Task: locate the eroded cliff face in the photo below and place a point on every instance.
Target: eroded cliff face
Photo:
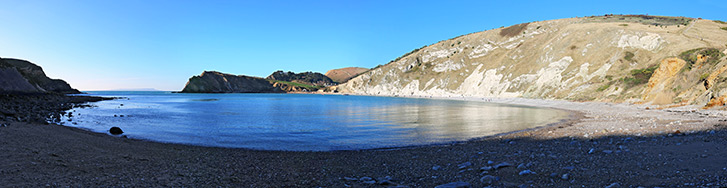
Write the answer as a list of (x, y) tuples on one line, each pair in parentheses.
[(639, 59), (20, 76)]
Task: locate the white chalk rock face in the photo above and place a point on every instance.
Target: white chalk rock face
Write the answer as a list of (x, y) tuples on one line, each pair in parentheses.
[(572, 59)]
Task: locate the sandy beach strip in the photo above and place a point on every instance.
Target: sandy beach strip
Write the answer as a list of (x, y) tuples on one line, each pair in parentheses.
[(608, 144)]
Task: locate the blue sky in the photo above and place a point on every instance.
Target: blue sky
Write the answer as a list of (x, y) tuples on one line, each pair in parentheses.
[(104, 44)]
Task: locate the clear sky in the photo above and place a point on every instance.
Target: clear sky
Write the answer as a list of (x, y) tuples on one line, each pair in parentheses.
[(122, 44)]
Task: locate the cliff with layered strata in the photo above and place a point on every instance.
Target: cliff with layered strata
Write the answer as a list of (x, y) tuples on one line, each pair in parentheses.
[(667, 61)]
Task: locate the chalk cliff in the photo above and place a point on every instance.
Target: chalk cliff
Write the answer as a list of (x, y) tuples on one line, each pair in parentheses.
[(659, 60)]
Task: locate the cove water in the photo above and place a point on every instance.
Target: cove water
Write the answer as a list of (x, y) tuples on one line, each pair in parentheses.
[(302, 122)]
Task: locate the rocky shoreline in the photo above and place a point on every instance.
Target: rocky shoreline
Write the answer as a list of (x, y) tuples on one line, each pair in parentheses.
[(610, 145), (41, 107)]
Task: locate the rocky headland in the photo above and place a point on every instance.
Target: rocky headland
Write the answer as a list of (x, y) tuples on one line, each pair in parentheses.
[(20, 76), (277, 82)]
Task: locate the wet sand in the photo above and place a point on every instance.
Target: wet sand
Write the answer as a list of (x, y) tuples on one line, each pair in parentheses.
[(604, 144)]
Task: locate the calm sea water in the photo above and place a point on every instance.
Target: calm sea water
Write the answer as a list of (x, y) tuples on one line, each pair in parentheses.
[(303, 121)]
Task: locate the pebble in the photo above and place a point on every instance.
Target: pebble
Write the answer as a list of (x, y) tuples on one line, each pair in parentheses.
[(502, 165), (565, 176), (490, 162), (436, 167), (614, 185), (464, 165), (350, 179), (607, 151), (459, 184), (489, 179), (486, 168), (591, 151), (526, 172), (366, 179)]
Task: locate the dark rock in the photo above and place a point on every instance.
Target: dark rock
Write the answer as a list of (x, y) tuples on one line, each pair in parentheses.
[(489, 179), (526, 172), (614, 185), (116, 131), (502, 165), (458, 184), (464, 165)]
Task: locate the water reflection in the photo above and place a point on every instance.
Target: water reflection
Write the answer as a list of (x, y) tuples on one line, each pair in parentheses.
[(306, 122)]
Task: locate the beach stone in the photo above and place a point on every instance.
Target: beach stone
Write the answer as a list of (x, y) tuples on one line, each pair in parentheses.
[(366, 179), (436, 167), (369, 182), (486, 168), (464, 165), (565, 176), (115, 130), (350, 179), (502, 165), (607, 151), (489, 179), (459, 184), (526, 172), (591, 151), (490, 162), (614, 185)]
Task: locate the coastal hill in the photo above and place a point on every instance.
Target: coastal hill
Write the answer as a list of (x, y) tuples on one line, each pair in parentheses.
[(342, 75), (308, 78), (278, 82), (658, 60), (20, 76)]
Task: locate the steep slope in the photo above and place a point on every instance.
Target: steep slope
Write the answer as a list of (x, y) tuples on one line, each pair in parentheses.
[(342, 75), (606, 58), (20, 76)]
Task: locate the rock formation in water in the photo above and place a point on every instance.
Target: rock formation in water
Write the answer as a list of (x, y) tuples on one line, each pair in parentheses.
[(342, 75), (308, 78), (668, 61), (20, 76)]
